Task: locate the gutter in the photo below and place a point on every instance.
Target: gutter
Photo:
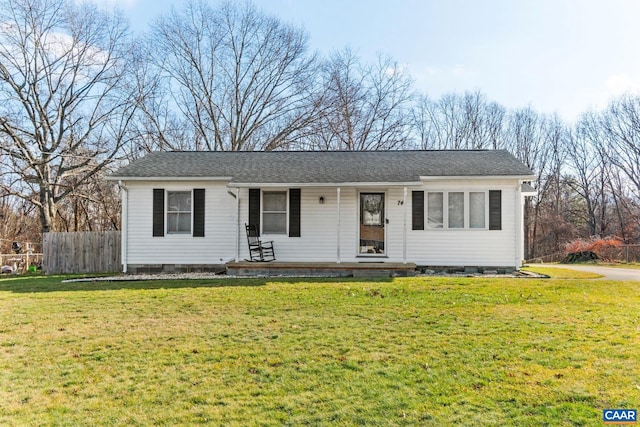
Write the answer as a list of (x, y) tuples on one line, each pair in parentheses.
[(380, 184), (476, 177), (169, 178)]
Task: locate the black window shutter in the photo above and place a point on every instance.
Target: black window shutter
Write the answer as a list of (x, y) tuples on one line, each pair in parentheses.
[(254, 207), (417, 210), (158, 212), (198, 212), (495, 210), (294, 212)]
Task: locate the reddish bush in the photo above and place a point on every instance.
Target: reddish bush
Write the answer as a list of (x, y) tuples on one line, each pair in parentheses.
[(599, 246)]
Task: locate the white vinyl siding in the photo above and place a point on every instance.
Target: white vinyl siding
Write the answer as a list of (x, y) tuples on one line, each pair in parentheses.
[(217, 247), (472, 245), (319, 240)]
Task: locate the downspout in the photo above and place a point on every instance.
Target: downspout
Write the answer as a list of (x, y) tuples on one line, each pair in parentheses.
[(236, 196), (124, 195), (338, 226), (237, 224), (404, 227), (519, 202)]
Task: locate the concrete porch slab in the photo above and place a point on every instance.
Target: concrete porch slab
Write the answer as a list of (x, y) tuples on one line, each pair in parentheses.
[(321, 269)]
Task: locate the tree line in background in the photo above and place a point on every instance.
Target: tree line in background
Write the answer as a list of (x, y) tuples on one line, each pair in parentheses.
[(80, 95)]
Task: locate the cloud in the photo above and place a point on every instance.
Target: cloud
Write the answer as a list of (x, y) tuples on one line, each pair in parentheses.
[(598, 97), (430, 70), (618, 84), (461, 71), (111, 3)]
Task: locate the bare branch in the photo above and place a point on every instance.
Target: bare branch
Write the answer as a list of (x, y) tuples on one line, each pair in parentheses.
[(65, 111)]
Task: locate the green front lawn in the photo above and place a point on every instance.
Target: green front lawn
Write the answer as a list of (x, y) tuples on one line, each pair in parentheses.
[(414, 351), (561, 273)]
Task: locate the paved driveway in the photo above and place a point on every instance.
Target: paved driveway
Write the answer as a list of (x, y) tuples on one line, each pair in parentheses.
[(609, 273)]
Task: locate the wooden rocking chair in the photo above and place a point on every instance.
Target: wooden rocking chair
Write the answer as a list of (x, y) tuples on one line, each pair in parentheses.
[(259, 250)]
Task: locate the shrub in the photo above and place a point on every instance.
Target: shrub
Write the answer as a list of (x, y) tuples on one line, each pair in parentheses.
[(600, 246)]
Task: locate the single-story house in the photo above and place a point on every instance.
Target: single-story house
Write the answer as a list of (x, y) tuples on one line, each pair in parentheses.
[(428, 207)]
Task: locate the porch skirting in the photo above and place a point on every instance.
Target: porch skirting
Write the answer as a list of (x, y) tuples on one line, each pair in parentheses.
[(321, 269), (175, 268)]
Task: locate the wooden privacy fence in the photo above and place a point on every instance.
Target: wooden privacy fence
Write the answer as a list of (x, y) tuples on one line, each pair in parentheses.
[(81, 252)]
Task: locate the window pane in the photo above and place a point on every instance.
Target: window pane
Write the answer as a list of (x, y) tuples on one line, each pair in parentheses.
[(275, 223), (178, 222), (184, 223), (371, 208), (476, 210), (179, 201), (275, 202), (178, 211), (456, 210), (172, 223), (434, 210)]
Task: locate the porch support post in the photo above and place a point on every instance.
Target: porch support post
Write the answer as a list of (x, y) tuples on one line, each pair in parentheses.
[(237, 224), (338, 226), (404, 227)]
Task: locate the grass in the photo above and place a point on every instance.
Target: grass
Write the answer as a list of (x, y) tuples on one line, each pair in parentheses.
[(561, 273), (631, 265), (412, 351)]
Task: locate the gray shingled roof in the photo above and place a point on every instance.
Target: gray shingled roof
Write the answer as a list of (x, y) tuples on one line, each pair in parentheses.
[(314, 167)]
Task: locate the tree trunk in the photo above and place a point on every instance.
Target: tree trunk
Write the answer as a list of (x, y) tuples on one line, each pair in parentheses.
[(47, 210)]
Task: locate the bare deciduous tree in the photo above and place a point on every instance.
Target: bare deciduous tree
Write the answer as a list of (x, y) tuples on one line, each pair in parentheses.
[(236, 78), (626, 207), (93, 205), (366, 107), (64, 112), (458, 122), (590, 171), (621, 122), (553, 213), (524, 137)]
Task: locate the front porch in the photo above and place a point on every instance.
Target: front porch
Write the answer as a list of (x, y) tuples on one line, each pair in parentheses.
[(321, 269)]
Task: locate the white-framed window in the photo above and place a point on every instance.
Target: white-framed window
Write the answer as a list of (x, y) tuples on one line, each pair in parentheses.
[(457, 209), (274, 212), (178, 212)]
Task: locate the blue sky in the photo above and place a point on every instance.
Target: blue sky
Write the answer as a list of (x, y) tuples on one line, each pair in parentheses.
[(564, 56)]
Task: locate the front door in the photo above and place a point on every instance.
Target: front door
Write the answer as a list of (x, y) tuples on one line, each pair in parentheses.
[(372, 220)]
